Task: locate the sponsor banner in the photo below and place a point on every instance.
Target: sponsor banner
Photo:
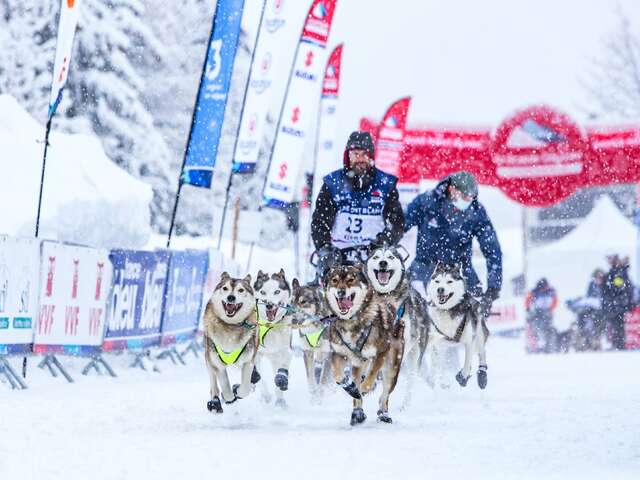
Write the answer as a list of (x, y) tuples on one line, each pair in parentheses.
[(268, 61), (206, 128), (300, 109), (390, 138), (507, 316), (328, 158), (183, 298), (632, 329), (134, 316), (69, 11), (73, 291), (19, 276)]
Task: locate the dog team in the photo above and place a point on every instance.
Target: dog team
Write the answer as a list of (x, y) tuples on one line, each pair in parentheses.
[(361, 325)]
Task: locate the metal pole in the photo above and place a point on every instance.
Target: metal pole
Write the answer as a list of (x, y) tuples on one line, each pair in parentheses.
[(193, 120), (235, 144), (44, 163)]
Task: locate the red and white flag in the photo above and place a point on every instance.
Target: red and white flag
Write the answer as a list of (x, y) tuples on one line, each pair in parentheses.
[(390, 137), (300, 109), (66, 31)]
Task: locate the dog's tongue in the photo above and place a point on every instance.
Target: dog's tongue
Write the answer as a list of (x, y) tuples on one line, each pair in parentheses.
[(383, 277), (271, 313), (345, 304)]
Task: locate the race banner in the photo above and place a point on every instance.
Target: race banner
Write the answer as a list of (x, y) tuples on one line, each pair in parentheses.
[(74, 286), (19, 276), (206, 127), (327, 156), (183, 298), (268, 60), (66, 31), (300, 106), (134, 316), (390, 138)]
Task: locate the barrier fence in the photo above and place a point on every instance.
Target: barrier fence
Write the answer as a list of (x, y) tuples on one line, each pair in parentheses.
[(63, 299)]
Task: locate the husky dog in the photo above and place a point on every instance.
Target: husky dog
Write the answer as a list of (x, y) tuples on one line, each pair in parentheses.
[(310, 306), (230, 338), (273, 294), (365, 335), (456, 318), (386, 272)]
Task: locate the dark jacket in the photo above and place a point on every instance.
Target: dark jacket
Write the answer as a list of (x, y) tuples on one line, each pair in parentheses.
[(617, 292), (326, 210), (445, 234)]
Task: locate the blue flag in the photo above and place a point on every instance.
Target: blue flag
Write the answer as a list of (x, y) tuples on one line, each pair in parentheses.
[(204, 137)]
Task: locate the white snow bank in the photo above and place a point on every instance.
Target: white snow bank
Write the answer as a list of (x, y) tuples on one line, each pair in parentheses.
[(86, 199)]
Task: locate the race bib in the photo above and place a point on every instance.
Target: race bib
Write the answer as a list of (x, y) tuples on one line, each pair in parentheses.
[(351, 229)]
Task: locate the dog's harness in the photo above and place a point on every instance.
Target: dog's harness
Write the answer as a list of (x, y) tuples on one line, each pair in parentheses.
[(228, 358), (360, 343), (313, 339), (458, 335)]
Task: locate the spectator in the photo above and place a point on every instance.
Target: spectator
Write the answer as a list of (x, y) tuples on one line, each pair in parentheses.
[(539, 304), (617, 299)]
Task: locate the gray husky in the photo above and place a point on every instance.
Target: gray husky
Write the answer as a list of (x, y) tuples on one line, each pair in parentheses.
[(456, 318)]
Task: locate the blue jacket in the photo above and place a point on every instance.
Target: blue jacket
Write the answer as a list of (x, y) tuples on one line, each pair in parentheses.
[(445, 234)]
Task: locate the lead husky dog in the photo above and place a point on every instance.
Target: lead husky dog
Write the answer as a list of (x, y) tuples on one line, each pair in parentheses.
[(230, 339), (363, 335), (386, 272), (310, 307), (273, 295), (456, 318)]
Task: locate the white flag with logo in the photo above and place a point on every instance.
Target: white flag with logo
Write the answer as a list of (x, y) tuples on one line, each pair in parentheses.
[(268, 61), (66, 31), (300, 106)]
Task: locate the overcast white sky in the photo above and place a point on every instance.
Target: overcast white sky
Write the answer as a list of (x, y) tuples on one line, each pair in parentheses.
[(467, 61)]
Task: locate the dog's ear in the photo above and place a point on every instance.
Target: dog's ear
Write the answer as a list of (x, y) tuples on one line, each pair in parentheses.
[(247, 279), (224, 278), (440, 268), (281, 273), (295, 287)]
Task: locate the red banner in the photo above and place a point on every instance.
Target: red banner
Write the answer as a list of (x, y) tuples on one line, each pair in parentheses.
[(318, 23), (331, 83), (537, 156), (390, 137)]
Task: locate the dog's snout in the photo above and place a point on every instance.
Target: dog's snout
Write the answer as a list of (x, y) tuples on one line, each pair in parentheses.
[(341, 293), (383, 264), (440, 291), (231, 298)]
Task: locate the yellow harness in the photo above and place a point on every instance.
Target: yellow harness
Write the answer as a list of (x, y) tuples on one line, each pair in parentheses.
[(313, 339), (229, 358), (263, 329)]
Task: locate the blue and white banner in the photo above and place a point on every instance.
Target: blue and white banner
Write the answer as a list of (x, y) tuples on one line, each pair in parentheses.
[(66, 31), (269, 59), (19, 271), (204, 137), (137, 296), (183, 298)]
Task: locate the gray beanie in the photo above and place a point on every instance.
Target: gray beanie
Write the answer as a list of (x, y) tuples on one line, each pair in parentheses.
[(465, 182)]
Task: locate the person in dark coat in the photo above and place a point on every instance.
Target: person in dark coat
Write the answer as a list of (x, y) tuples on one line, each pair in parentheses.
[(448, 218), (540, 303), (357, 205), (617, 299)]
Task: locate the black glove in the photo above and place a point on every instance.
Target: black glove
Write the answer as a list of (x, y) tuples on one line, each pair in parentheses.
[(488, 298)]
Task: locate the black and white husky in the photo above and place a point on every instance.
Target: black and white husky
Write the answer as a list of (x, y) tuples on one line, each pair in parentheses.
[(456, 318), (386, 271), (273, 294)]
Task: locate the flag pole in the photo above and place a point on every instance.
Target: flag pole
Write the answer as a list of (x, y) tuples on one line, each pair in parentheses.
[(193, 120), (235, 144), (44, 163)]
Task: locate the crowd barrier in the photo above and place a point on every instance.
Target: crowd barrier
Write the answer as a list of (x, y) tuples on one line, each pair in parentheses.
[(63, 299)]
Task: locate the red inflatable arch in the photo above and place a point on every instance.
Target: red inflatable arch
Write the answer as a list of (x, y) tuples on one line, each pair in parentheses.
[(538, 156)]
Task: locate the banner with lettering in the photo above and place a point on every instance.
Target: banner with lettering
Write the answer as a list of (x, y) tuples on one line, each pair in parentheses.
[(390, 138), (183, 298), (136, 301), (69, 12), (73, 290), (19, 276), (300, 109)]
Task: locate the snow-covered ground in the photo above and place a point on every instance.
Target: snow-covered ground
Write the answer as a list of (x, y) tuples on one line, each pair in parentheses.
[(548, 416)]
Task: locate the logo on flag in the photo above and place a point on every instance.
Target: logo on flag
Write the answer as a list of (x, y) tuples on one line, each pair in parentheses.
[(214, 67), (320, 11), (392, 122), (274, 24)]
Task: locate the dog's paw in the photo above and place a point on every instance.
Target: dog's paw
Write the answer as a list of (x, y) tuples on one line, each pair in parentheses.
[(255, 376), (234, 389), (357, 416), (214, 405), (282, 379), (384, 417), (482, 377), (350, 387), (281, 403), (461, 379)]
